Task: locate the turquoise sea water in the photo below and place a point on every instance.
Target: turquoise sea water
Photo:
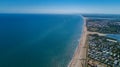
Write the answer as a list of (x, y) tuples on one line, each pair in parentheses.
[(38, 40)]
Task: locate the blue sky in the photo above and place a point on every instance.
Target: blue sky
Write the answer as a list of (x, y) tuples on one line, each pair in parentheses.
[(60, 6)]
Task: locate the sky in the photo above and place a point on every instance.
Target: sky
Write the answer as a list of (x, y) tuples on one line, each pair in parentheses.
[(60, 6)]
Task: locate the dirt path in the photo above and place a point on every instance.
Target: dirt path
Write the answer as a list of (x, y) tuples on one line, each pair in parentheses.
[(100, 34)]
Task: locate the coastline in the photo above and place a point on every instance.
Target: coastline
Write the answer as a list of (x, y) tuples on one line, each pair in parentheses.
[(79, 57)]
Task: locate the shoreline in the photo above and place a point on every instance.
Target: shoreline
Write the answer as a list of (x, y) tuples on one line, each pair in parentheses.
[(79, 57)]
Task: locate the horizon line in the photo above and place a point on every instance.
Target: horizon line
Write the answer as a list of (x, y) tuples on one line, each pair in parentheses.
[(54, 13)]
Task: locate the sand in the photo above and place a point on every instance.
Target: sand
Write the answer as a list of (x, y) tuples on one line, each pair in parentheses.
[(79, 58)]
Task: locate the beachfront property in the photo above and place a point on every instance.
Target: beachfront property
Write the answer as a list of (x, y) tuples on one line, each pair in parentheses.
[(102, 51)]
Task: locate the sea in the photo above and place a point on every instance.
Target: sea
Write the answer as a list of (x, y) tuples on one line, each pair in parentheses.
[(38, 40)]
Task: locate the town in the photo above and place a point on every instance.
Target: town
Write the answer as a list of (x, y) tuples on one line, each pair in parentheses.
[(104, 50), (111, 26)]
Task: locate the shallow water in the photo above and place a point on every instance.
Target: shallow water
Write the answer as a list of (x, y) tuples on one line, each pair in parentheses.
[(115, 36)]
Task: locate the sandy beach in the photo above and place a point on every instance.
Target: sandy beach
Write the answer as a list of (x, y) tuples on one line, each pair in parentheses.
[(79, 58)]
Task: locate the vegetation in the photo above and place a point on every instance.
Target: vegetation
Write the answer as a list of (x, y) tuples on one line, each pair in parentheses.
[(110, 26)]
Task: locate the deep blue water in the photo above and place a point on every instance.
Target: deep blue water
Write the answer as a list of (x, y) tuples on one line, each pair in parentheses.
[(38, 40)]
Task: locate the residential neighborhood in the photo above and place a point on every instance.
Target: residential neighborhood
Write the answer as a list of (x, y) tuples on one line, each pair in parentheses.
[(104, 50), (102, 25)]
